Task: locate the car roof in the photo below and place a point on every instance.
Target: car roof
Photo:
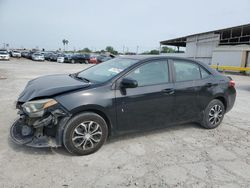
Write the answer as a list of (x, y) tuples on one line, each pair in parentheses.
[(148, 57), (154, 57)]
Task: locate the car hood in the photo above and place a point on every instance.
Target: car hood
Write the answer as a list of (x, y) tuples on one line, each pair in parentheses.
[(47, 86)]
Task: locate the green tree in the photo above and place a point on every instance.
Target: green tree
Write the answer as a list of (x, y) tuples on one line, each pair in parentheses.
[(111, 50), (151, 52), (86, 50), (154, 52), (65, 42), (166, 49)]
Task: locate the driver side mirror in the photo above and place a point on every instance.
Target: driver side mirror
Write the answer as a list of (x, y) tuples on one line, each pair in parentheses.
[(129, 83)]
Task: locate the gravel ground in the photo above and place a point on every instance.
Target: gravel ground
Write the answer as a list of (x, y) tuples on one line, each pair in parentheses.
[(180, 156)]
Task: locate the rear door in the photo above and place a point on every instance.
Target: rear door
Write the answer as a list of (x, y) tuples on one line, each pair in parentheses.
[(186, 74), (150, 105), (208, 86)]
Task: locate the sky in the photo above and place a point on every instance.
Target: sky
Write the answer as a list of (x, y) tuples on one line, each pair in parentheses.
[(123, 24)]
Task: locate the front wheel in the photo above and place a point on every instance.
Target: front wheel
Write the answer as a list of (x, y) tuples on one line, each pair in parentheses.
[(213, 114), (85, 133)]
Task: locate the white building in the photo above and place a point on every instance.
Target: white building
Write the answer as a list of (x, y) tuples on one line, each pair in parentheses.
[(230, 46)]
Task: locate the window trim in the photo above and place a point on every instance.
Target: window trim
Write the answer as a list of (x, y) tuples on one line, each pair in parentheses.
[(186, 61), (147, 62), (171, 61), (209, 74)]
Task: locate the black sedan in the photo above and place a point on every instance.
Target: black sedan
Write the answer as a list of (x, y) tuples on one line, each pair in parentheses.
[(78, 58), (54, 56), (103, 58), (122, 95)]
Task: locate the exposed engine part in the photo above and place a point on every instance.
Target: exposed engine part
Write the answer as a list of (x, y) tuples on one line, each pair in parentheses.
[(19, 135), (27, 130), (43, 122), (57, 113), (37, 132)]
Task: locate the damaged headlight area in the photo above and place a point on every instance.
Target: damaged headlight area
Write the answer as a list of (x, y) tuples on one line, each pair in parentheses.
[(38, 123), (36, 108)]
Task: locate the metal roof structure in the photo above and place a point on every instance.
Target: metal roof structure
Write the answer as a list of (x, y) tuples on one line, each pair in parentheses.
[(228, 36)]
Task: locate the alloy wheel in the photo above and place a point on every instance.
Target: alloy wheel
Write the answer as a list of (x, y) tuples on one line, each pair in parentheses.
[(87, 135), (215, 114)]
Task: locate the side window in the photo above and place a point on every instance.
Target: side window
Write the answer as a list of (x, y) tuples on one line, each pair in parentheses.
[(204, 73), (151, 73), (186, 71)]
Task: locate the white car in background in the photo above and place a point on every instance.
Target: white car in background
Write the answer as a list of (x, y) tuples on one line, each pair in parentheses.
[(60, 59), (37, 57), (16, 53), (4, 55)]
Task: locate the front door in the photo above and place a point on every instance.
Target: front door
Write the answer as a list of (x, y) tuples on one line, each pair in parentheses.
[(150, 105)]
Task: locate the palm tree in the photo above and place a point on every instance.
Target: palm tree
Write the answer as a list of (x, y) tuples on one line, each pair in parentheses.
[(65, 42)]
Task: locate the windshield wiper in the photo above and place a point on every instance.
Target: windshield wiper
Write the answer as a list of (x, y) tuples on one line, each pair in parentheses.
[(75, 75), (84, 79)]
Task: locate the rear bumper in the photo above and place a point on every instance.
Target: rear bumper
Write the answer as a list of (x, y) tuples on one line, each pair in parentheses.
[(231, 96)]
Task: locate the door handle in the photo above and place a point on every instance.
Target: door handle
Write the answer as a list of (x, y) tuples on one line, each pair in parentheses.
[(169, 91), (210, 84)]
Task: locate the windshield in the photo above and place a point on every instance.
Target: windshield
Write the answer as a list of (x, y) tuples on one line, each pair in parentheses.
[(107, 70)]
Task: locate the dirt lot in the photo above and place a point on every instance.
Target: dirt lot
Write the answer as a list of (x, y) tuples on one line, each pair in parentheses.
[(180, 156)]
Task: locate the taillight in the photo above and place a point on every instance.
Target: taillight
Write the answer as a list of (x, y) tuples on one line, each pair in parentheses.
[(231, 83)]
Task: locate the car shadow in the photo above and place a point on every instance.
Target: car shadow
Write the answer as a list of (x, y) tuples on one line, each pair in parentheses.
[(62, 151), (37, 151), (243, 87), (172, 128)]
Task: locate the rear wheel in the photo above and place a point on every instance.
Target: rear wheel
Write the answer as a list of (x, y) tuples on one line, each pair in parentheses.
[(213, 115), (85, 133)]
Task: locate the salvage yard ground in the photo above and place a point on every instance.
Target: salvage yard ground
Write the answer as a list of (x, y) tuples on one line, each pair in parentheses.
[(180, 156)]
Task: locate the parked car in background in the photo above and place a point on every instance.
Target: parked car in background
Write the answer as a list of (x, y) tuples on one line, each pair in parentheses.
[(123, 95), (67, 58), (103, 58), (4, 55), (93, 59), (54, 56), (29, 55), (80, 58), (60, 58), (37, 56), (47, 55), (25, 54), (16, 53)]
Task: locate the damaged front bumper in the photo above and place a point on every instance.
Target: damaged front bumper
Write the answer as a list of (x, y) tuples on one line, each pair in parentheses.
[(44, 131)]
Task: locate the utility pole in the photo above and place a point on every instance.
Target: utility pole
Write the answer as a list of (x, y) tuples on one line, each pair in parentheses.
[(137, 49), (123, 49)]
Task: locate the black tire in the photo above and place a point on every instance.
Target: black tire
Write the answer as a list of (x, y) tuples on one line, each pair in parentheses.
[(208, 121), (73, 123)]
